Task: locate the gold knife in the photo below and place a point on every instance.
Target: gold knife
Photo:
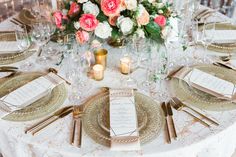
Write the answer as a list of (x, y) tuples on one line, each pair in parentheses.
[(50, 118), (170, 113), (163, 106)]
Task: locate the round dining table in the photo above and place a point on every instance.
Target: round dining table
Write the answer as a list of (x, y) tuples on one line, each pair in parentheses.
[(194, 139)]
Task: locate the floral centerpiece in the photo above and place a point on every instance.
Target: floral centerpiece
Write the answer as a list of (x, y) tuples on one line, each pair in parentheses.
[(115, 19)]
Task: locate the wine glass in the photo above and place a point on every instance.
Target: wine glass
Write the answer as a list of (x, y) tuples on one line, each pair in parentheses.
[(208, 35), (23, 43)]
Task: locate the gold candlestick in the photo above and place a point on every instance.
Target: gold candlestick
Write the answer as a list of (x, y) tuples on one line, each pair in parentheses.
[(98, 72), (101, 57)]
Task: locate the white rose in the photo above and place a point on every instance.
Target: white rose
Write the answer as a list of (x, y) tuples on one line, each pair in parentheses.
[(103, 30), (82, 1), (91, 8), (131, 4), (140, 33), (125, 24), (77, 25)]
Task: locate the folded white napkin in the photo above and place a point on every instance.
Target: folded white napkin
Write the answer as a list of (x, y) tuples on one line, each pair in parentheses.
[(28, 93), (8, 46), (123, 121), (222, 36)]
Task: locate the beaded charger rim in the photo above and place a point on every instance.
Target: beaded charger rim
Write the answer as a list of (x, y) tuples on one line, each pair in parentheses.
[(38, 109), (9, 58), (223, 48), (147, 133), (200, 99)]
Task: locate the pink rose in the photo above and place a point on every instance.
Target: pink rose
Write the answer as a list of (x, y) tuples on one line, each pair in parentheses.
[(160, 20), (58, 19), (112, 20), (110, 7), (88, 22), (82, 36), (74, 8)]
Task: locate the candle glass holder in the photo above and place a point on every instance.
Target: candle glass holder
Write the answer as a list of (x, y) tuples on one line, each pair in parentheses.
[(98, 72), (101, 57)]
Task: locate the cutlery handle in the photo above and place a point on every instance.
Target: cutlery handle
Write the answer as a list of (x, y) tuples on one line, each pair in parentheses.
[(44, 126), (173, 127), (201, 121), (167, 132), (207, 118), (79, 132), (72, 139), (42, 122)]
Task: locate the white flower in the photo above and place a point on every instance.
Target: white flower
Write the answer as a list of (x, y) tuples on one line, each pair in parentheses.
[(160, 5), (95, 43), (103, 30), (125, 24), (140, 33), (77, 25), (90, 8), (82, 1), (160, 12), (131, 4), (151, 1), (64, 11)]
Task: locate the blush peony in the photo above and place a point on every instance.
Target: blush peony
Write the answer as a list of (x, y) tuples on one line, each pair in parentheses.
[(111, 7), (88, 22), (82, 36), (58, 19), (160, 20), (142, 15), (74, 8)]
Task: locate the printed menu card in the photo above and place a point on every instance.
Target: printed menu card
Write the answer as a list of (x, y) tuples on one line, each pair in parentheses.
[(28, 93), (123, 120), (210, 84)]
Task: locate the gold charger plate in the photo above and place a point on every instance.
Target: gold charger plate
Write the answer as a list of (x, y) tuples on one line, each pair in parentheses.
[(223, 48), (26, 17), (96, 118), (199, 98), (9, 58), (38, 109)]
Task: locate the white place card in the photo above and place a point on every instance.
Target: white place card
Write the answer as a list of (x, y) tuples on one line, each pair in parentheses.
[(210, 83), (28, 93), (123, 120), (8, 46)]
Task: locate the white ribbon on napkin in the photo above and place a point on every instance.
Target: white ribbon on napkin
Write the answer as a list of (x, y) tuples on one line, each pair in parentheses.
[(123, 121), (8, 46), (28, 93), (222, 36)]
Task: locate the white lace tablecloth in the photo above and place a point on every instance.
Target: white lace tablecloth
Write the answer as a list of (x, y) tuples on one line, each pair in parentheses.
[(194, 139)]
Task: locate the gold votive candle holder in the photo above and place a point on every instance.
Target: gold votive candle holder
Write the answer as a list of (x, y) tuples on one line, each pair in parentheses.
[(125, 65), (98, 72), (101, 57)]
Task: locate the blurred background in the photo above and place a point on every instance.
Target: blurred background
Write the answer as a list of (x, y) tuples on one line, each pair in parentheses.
[(10, 7)]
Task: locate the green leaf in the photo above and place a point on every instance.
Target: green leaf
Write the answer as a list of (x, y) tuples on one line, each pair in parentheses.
[(101, 17), (115, 33), (154, 31)]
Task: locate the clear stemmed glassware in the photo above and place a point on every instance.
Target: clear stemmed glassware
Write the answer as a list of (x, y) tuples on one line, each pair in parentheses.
[(207, 38), (129, 81), (23, 43), (159, 70)]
